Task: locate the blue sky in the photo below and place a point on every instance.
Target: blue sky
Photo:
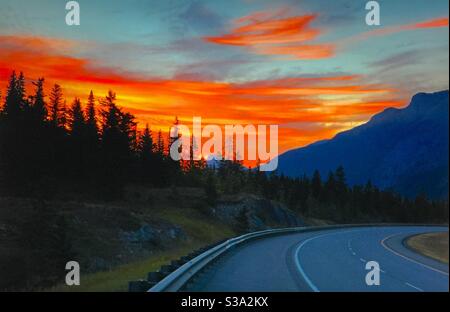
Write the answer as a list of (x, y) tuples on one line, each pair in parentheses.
[(163, 25)]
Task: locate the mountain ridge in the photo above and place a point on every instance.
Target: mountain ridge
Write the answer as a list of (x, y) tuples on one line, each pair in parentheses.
[(404, 149)]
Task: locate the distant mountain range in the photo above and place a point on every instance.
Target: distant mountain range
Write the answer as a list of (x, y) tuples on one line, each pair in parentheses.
[(406, 150)]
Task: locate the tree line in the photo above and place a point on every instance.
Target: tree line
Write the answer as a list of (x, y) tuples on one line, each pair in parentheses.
[(51, 148)]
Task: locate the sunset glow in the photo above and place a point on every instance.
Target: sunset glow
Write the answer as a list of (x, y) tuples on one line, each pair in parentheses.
[(307, 104)]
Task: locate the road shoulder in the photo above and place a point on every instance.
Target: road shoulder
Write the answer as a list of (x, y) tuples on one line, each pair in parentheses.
[(396, 244), (432, 245)]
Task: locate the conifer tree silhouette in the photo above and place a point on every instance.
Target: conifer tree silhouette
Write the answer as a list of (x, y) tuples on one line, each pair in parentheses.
[(56, 110)]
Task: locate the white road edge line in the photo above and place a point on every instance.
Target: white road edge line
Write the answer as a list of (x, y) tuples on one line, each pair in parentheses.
[(383, 243), (299, 266), (412, 286)]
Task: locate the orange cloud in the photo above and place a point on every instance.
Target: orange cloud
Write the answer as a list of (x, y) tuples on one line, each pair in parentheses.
[(300, 52), (331, 103), (36, 43), (275, 34), (383, 31), (434, 23), (293, 29)]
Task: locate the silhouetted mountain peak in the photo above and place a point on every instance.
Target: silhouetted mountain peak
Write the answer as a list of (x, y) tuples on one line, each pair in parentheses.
[(427, 100), (401, 148)]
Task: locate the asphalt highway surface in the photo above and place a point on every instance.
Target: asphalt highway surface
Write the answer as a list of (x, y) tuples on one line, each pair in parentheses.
[(330, 260)]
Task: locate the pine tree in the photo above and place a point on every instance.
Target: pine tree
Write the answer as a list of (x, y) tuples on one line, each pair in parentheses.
[(79, 151), (12, 104), (146, 146), (340, 177), (341, 186), (316, 185), (76, 118), (110, 114), (91, 116), (118, 129), (21, 92), (91, 135), (127, 126), (62, 120), (115, 145), (56, 109), (368, 188), (145, 153), (330, 187), (160, 144), (39, 108)]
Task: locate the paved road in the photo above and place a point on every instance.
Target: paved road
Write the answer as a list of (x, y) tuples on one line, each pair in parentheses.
[(332, 260)]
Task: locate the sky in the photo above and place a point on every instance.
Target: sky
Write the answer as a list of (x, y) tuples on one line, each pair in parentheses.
[(312, 67)]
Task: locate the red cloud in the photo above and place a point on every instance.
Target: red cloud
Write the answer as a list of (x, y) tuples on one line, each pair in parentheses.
[(155, 101), (428, 24), (273, 33), (287, 30), (434, 23)]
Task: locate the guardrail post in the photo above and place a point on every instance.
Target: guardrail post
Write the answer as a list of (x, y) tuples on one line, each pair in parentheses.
[(139, 286)]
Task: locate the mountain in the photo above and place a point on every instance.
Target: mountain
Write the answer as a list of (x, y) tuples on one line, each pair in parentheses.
[(406, 150)]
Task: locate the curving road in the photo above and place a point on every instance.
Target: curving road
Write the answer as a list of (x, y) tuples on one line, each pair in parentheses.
[(332, 260)]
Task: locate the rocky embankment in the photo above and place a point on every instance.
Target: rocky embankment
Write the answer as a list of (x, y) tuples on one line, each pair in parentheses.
[(261, 213)]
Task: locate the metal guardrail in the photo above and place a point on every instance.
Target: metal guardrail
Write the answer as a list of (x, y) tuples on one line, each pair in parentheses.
[(176, 280)]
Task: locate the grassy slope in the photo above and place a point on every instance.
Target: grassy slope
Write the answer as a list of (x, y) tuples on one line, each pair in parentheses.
[(107, 263), (433, 245), (200, 229)]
